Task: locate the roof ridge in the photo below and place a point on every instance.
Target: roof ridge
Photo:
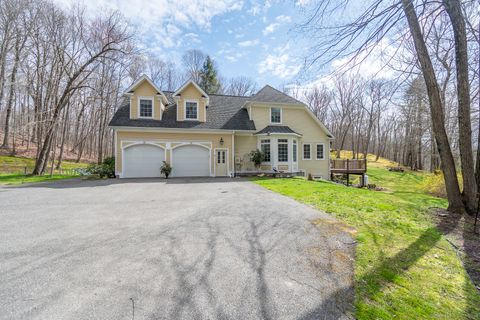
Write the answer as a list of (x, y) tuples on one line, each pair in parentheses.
[(216, 94)]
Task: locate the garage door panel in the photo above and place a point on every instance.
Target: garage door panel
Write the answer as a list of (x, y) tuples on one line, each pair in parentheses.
[(190, 161), (143, 161)]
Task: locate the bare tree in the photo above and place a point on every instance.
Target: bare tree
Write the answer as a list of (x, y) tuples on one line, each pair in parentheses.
[(193, 63), (239, 86), (104, 37), (358, 38), (454, 10)]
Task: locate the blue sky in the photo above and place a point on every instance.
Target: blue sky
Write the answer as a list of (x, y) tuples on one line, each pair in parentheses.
[(246, 38)]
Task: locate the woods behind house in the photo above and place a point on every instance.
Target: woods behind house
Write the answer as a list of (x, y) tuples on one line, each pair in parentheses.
[(63, 72)]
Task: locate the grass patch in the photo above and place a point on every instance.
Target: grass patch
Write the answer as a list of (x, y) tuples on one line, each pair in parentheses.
[(12, 170), (11, 163), (16, 178), (405, 269)]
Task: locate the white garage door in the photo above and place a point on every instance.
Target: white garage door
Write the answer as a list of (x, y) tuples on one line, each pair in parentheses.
[(143, 161), (190, 161)]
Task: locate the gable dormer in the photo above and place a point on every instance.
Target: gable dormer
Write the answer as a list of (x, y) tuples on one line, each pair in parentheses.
[(192, 102), (147, 101)]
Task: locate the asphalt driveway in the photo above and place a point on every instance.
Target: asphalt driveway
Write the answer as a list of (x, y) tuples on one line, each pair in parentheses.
[(185, 249)]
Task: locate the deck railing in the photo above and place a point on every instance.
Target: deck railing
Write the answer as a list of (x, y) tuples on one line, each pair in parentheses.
[(348, 165)]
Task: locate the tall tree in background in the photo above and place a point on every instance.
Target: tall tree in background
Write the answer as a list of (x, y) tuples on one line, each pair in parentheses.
[(240, 86), (454, 10), (209, 77), (382, 20), (193, 61)]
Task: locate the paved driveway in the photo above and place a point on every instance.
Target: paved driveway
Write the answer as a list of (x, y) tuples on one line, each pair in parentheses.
[(185, 249)]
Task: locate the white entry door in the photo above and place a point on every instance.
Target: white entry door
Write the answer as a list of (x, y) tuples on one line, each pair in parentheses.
[(142, 161), (190, 161), (221, 162)]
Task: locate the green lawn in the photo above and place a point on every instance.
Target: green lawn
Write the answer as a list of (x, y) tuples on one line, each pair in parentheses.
[(14, 178), (12, 169), (11, 161), (405, 269)]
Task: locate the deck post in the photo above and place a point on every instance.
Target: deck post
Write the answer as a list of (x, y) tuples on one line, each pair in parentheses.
[(348, 173)]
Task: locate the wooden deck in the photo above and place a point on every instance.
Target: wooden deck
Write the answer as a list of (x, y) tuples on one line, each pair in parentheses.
[(354, 166), (348, 167)]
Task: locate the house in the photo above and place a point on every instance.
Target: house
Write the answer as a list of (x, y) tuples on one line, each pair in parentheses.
[(212, 135)]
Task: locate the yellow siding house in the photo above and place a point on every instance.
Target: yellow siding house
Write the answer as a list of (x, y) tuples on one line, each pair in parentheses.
[(213, 135)]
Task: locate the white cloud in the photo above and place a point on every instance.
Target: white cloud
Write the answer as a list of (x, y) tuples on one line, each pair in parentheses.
[(279, 64), (249, 43), (370, 63), (158, 18), (281, 19), (303, 3), (258, 8), (234, 56), (271, 28)]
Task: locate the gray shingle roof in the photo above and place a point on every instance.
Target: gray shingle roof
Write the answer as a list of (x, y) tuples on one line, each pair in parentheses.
[(270, 94), (276, 129), (223, 112)]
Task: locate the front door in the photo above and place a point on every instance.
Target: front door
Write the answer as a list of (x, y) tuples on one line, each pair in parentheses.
[(220, 162)]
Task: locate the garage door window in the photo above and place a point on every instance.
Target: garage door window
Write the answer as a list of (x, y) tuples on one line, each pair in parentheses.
[(146, 108)]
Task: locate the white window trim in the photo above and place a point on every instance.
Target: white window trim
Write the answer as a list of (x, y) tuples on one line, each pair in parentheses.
[(288, 143), (295, 142), (138, 107), (260, 148), (303, 151), (281, 115), (316, 151), (185, 110)]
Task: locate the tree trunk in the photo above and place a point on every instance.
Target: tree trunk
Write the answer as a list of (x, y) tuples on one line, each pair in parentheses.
[(64, 134), (436, 110), (454, 10), (6, 130)]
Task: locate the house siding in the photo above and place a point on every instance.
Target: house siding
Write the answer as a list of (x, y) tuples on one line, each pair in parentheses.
[(298, 119), (145, 89), (191, 93)]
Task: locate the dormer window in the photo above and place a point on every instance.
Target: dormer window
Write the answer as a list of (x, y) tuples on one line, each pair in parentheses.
[(146, 107), (275, 115), (191, 110)]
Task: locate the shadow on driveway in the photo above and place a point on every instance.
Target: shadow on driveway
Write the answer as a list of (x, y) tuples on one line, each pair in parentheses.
[(88, 183)]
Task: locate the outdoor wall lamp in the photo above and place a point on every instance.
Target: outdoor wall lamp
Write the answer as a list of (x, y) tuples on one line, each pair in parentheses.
[(221, 141)]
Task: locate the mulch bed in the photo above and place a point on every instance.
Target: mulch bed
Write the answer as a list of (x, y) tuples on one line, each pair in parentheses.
[(458, 230)]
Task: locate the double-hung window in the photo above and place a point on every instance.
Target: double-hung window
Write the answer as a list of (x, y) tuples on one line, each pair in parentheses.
[(275, 115), (265, 148), (282, 150), (191, 110), (146, 108), (320, 151), (307, 151)]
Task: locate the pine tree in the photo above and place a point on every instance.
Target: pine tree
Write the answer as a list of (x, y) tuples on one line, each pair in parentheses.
[(208, 77)]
